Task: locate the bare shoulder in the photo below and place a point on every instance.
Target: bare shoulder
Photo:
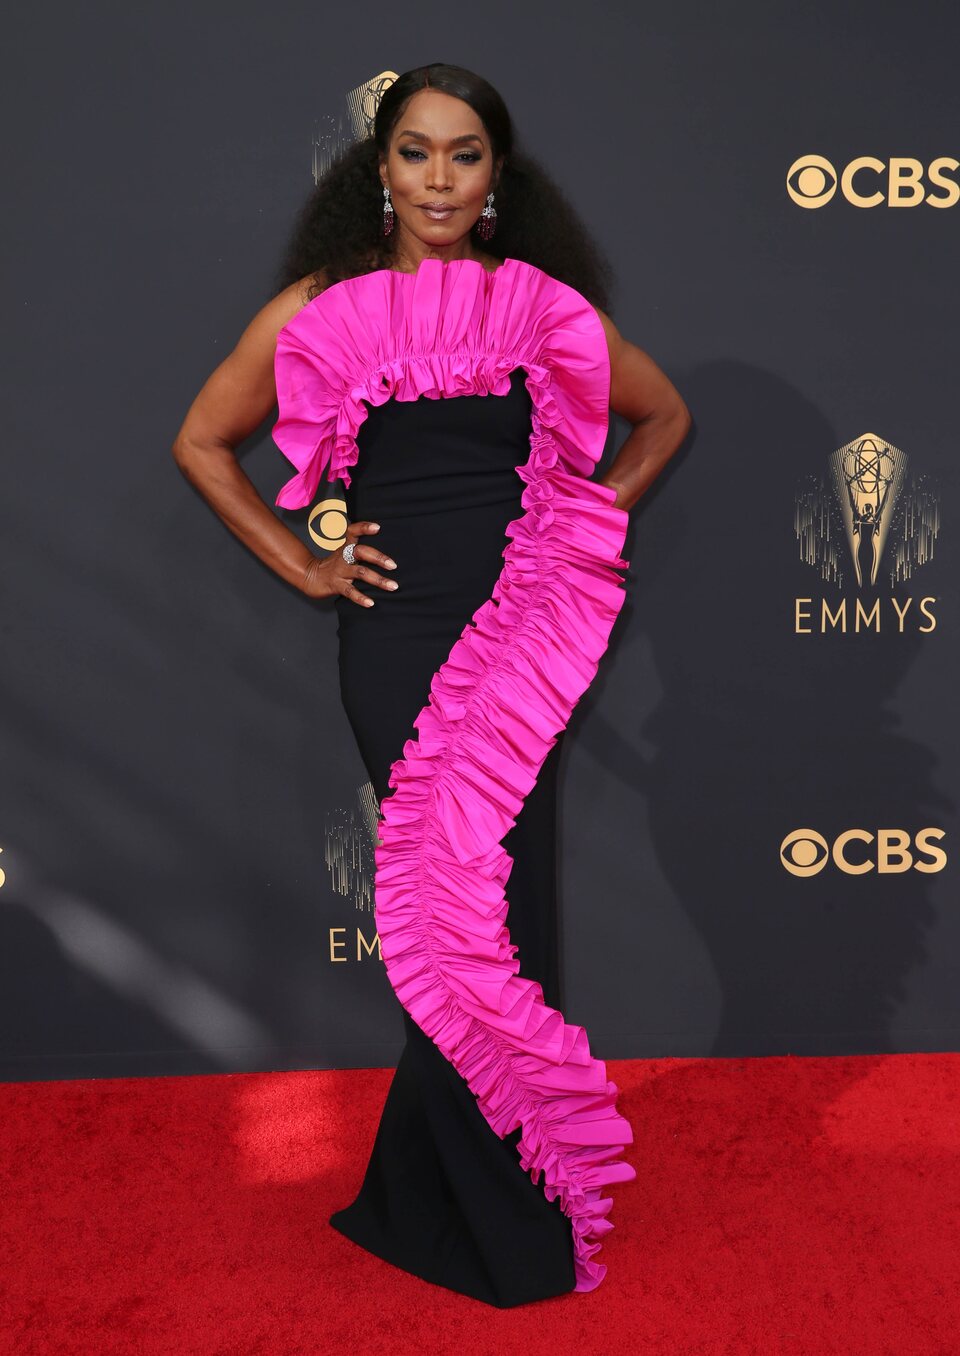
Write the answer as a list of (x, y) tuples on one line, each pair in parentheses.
[(252, 361), (257, 344), (613, 335), (281, 309), (240, 393), (639, 388)]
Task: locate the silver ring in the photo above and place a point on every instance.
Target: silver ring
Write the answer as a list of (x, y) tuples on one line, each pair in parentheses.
[(348, 553)]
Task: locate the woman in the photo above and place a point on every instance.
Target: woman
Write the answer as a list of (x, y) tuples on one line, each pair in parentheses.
[(461, 391)]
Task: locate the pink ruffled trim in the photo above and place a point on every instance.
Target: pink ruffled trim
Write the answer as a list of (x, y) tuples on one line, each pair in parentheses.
[(496, 706), (448, 330)]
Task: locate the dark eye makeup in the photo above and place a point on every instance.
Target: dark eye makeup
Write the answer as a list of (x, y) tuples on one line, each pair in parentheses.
[(408, 151)]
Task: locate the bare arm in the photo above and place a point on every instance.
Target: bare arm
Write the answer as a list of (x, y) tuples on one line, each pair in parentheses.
[(644, 394), (235, 399)]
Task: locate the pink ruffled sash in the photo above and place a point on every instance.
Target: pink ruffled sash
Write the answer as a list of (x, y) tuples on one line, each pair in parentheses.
[(506, 691)]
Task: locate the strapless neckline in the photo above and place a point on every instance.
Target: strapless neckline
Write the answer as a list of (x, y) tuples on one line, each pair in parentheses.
[(444, 263)]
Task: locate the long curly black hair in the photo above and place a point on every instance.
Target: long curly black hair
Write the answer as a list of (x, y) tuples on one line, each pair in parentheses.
[(339, 229)]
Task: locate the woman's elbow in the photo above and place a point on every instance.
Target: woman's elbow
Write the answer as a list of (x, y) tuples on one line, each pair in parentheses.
[(680, 414)]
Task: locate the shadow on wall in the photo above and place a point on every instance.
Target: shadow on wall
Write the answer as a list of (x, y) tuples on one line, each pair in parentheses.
[(761, 731), (86, 995)]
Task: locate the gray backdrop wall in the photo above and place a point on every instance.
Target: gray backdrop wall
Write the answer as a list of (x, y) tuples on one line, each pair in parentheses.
[(760, 790)]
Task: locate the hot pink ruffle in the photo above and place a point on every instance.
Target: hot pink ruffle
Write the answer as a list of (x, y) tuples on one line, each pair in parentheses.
[(500, 699)]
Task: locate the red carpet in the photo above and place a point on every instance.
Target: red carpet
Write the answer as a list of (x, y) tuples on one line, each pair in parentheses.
[(783, 1205)]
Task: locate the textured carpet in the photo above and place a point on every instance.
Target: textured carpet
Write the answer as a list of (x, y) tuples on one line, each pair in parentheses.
[(783, 1205)]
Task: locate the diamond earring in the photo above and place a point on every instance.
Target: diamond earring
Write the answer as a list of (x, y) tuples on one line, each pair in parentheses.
[(487, 220), (388, 212)]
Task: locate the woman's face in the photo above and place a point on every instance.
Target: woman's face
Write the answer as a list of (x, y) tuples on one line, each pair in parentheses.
[(439, 158)]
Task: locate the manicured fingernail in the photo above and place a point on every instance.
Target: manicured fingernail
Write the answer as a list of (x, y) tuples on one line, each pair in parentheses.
[(369, 602), (390, 564), (374, 527), (392, 584)]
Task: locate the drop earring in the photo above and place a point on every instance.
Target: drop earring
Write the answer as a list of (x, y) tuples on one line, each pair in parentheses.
[(388, 212), (487, 220)]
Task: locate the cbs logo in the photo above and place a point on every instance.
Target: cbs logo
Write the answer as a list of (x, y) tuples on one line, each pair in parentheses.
[(327, 523), (867, 182), (804, 852)]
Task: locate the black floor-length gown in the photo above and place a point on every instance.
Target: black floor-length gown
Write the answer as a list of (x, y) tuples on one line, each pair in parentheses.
[(443, 1197), (465, 409)]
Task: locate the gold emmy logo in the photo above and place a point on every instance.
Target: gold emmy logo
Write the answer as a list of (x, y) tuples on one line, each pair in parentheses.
[(868, 478), (355, 124), (364, 948), (362, 102), (351, 839), (868, 508), (350, 834), (855, 852), (812, 182)]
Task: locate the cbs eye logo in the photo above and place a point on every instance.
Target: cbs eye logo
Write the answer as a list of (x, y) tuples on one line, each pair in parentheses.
[(327, 523), (867, 182), (805, 852)]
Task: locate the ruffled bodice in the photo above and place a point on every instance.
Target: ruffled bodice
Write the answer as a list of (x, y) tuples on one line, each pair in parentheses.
[(449, 329), (507, 689)]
